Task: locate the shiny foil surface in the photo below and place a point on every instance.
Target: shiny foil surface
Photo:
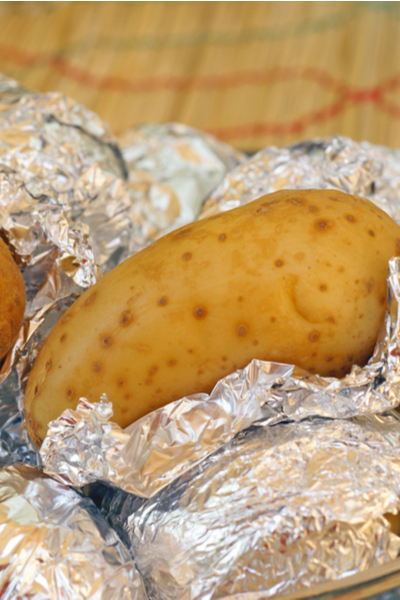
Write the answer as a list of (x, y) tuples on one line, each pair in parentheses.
[(172, 168), (278, 509), (84, 446), (54, 544), (358, 168)]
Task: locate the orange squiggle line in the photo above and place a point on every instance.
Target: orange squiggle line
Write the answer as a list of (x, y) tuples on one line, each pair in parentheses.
[(344, 92)]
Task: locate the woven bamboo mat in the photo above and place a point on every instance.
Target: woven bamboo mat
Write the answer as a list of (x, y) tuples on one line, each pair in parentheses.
[(252, 73)]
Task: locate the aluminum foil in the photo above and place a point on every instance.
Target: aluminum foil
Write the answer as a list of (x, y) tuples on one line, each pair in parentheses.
[(358, 168), (276, 510), (55, 544), (172, 169)]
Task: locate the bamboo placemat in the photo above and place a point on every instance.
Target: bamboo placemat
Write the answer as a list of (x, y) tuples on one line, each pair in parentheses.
[(252, 73)]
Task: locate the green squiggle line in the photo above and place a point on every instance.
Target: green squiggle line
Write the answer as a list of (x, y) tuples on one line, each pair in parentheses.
[(221, 38)]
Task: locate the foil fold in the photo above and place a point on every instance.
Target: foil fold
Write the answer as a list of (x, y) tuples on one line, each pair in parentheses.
[(276, 510), (54, 544), (358, 168)]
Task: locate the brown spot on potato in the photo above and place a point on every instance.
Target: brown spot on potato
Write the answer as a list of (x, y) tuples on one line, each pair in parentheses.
[(273, 319), (369, 285), (279, 263), (149, 381), (63, 337), (106, 341), (329, 359), (331, 320), (350, 358), (314, 354), (341, 270), (127, 396), (240, 298), (36, 390), (126, 318), (163, 301), (397, 247), (48, 365), (312, 369), (96, 367), (181, 233), (120, 382), (371, 233), (322, 287), (70, 393), (90, 299), (382, 300), (323, 224), (66, 318), (222, 237), (241, 330), (124, 410), (153, 370), (200, 372), (171, 362), (158, 391), (313, 208), (351, 218), (255, 343), (190, 351), (224, 358), (199, 312), (187, 256), (361, 316), (314, 336)]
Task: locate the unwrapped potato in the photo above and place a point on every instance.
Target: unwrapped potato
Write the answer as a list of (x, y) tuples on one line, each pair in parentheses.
[(297, 277), (12, 299)]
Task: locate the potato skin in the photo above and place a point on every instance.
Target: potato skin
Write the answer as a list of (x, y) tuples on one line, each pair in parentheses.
[(12, 300), (296, 277)]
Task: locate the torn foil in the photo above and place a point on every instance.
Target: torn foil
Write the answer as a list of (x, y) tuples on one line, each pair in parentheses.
[(358, 168), (84, 446), (276, 510), (54, 544)]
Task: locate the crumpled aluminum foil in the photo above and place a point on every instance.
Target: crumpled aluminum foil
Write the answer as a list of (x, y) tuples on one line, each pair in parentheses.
[(84, 446), (358, 168), (55, 544), (276, 510), (172, 168)]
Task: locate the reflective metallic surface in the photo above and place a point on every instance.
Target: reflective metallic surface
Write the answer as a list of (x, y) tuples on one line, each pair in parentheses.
[(278, 509), (54, 544), (358, 168)]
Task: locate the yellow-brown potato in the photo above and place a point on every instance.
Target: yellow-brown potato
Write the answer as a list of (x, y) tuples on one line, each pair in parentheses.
[(296, 277), (12, 299)]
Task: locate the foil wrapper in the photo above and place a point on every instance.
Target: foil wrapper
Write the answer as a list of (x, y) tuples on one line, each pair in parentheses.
[(172, 169), (83, 446), (358, 168), (277, 510), (55, 544)]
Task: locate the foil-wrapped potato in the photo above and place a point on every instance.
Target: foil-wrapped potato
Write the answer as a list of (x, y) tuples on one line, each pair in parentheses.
[(12, 299), (296, 276)]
